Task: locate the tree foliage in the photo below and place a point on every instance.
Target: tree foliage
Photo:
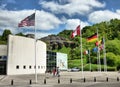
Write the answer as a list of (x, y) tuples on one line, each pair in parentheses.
[(111, 59), (113, 46), (5, 34), (110, 30), (20, 34)]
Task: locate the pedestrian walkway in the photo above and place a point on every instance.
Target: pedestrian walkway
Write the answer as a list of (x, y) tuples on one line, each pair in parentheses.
[(66, 78)]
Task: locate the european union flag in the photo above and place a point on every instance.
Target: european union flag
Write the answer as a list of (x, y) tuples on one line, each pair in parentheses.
[(95, 49)]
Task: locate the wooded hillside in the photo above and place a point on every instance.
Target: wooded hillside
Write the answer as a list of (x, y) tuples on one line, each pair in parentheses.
[(63, 43)]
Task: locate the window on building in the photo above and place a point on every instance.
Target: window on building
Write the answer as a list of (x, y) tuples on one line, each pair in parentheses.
[(30, 67), (0, 57), (17, 67), (4, 57), (24, 67), (38, 67)]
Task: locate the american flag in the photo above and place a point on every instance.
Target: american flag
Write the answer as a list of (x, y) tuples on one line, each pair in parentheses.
[(28, 21)]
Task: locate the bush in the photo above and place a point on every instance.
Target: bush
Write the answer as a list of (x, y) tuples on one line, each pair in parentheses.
[(75, 63), (94, 67), (111, 68), (111, 59)]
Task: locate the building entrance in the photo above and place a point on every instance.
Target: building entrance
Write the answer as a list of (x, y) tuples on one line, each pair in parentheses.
[(2, 67)]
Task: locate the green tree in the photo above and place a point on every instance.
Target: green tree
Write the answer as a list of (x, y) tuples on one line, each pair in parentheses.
[(5, 35), (111, 59), (65, 34), (20, 34), (113, 46), (118, 62), (72, 54)]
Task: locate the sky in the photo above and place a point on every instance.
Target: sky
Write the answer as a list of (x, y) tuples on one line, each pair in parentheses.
[(54, 16)]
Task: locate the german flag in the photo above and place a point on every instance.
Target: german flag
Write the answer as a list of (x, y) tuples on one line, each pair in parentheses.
[(92, 38)]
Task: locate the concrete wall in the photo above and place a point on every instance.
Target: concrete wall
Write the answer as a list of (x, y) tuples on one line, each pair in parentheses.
[(21, 56)]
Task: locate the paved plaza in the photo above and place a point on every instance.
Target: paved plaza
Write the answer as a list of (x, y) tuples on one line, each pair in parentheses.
[(66, 79)]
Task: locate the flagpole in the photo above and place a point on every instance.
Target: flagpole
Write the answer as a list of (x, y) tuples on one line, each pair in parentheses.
[(89, 58), (78, 32), (81, 52), (99, 59), (35, 52), (104, 51), (30, 21), (98, 54)]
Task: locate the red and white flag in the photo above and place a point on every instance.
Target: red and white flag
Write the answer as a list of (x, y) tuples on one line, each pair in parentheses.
[(76, 32)]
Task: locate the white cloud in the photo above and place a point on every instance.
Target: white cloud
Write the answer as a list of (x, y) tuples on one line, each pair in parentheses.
[(44, 20), (42, 34), (47, 21), (72, 7), (73, 23), (106, 15), (39, 34), (118, 11)]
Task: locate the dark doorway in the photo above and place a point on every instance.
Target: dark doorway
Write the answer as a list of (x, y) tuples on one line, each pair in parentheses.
[(2, 67)]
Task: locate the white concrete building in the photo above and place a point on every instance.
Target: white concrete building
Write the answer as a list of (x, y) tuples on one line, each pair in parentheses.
[(21, 56), (18, 57)]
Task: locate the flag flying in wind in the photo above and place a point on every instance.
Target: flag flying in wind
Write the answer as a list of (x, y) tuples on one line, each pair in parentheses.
[(76, 32), (95, 49), (92, 38), (28, 21), (102, 44), (101, 47), (97, 43), (86, 52)]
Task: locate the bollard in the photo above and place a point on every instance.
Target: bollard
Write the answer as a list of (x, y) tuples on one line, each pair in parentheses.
[(107, 79), (70, 80), (44, 81), (30, 82), (84, 79), (117, 78), (11, 82), (94, 79), (58, 80)]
